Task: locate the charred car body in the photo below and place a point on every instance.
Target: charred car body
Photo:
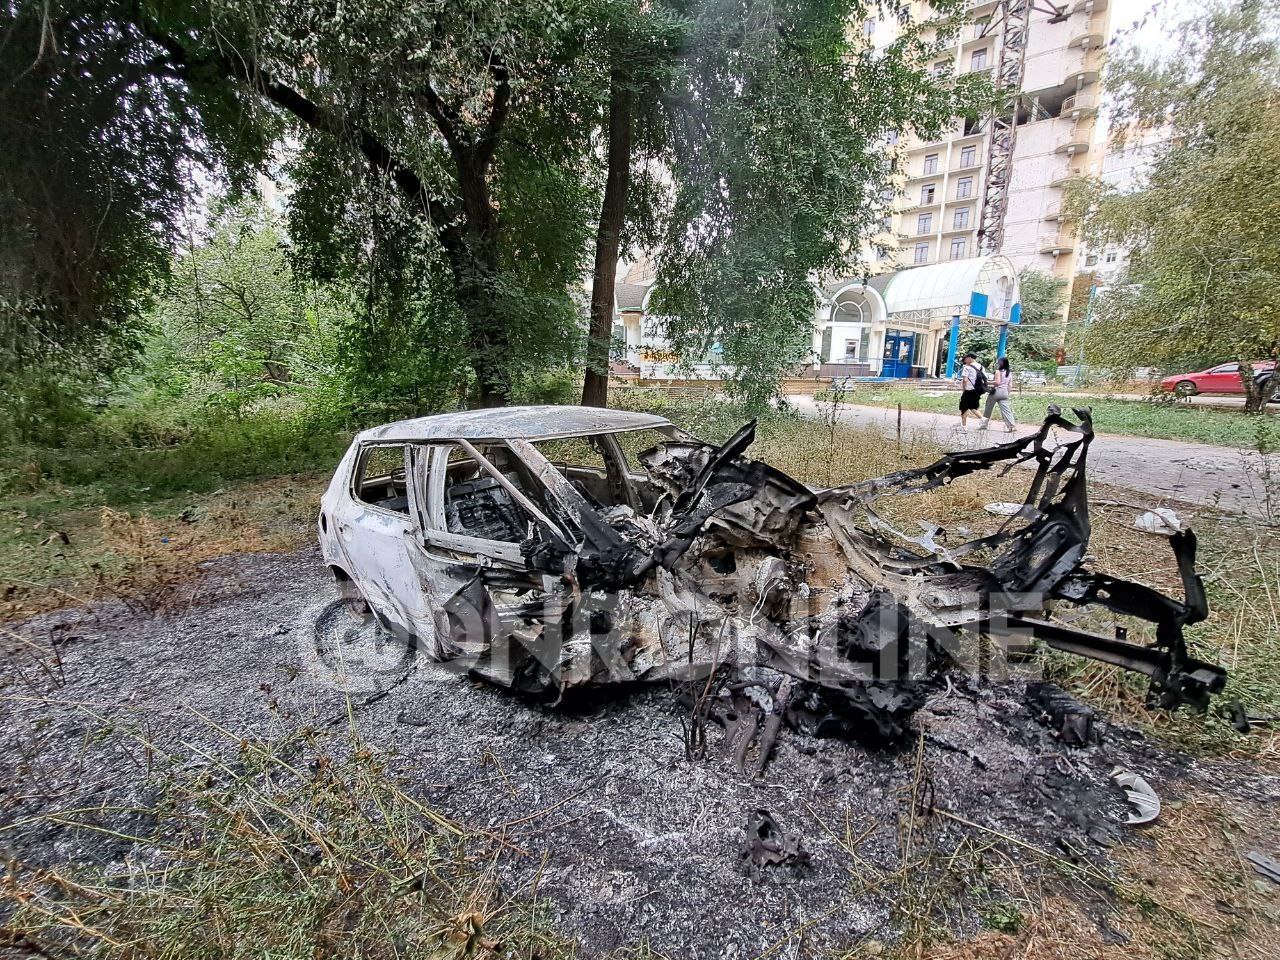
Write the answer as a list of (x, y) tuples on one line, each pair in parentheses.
[(541, 549)]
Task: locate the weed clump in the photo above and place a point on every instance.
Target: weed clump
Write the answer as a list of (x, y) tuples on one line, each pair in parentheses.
[(294, 849)]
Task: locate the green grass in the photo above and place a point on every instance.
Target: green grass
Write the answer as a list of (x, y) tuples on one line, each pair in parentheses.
[(1162, 420), (128, 511)]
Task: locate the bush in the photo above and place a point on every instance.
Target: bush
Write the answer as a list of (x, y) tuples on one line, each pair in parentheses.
[(562, 385)]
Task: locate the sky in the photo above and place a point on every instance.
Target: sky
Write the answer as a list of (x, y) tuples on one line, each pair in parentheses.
[(1157, 33)]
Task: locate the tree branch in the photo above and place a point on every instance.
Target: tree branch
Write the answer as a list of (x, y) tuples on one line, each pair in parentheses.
[(377, 153)]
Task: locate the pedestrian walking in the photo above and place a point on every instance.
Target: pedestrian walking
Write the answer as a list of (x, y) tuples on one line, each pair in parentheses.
[(999, 396), (973, 384)]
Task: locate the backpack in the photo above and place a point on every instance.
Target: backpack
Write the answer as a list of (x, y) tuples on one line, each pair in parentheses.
[(980, 380)]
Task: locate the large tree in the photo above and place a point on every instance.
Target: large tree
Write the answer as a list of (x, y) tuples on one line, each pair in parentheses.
[(101, 141), (769, 123), (450, 139), (1203, 227)]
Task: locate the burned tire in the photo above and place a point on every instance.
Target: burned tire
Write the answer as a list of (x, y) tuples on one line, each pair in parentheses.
[(351, 599), (355, 657)]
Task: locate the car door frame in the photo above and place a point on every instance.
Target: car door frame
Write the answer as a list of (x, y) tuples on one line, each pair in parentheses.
[(380, 553)]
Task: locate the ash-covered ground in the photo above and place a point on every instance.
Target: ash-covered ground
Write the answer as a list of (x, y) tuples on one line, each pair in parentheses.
[(626, 838)]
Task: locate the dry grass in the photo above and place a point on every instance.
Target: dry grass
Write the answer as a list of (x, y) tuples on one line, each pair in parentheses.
[(1182, 891), (297, 848), (59, 557)]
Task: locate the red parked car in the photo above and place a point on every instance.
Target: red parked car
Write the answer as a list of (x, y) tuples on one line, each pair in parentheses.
[(1224, 378)]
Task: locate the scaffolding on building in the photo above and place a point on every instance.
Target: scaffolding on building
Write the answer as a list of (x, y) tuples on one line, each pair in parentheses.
[(1015, 17)]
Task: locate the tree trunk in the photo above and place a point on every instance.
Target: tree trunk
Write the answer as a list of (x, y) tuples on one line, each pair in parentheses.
[(1255, 399), (613, 211), (475, 269)]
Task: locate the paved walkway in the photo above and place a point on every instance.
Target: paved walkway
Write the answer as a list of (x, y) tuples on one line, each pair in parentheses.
[(1198, 473)]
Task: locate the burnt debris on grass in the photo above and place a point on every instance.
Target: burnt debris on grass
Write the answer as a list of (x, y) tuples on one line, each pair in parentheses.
[(586, 818)]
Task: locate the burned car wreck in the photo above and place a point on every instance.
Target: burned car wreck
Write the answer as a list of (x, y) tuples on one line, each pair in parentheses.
[(548, 549)]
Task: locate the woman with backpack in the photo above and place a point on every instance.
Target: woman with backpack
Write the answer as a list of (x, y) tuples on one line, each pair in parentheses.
[(999, 396), (973, 384)]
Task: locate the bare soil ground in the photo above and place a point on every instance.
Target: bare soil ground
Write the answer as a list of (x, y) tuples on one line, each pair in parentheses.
[(982, 826)]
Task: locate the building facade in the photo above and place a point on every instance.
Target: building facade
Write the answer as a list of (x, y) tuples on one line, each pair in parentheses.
[(903, 324), (1009, 172)]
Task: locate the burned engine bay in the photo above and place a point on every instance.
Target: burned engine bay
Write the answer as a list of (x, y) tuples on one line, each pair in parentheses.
[(766, 602)]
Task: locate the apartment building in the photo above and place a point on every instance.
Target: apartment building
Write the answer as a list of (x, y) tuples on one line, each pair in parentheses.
[(1124, 168), (995, 185)]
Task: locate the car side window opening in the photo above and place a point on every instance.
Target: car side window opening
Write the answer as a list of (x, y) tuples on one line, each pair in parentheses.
[(380, 479), (477, 504), (594, 465)]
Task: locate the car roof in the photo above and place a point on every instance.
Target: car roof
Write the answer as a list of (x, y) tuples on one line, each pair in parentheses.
[(544, 422)]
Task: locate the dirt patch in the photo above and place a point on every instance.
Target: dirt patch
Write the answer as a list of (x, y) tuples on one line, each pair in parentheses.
[(597, 808)]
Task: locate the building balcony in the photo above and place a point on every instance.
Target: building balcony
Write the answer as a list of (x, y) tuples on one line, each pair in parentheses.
[(1056, 243), (1083, 77), (1089, 6), (982, 6), (976, 34), (1065, 176), (921, 206), (1073, 141), (1055, 213), (957, 135), (1079, 105), (925, 174), (1088, 35), (951, 230)]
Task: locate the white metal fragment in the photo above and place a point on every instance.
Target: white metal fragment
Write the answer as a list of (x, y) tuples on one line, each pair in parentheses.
[(1141, 797), (1161, 521)]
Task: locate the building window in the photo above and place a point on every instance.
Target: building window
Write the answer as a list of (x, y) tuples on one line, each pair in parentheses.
[(968, 156), (868, 28), (925, 223), (964, 188), (978, 61), (957, 249), (961, 220), (931, 163), (942, 68), (1111, 257), (893, 138), (922, 253), (926, 194)]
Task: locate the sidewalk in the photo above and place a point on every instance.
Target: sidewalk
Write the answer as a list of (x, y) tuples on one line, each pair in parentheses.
[(1199, 473)]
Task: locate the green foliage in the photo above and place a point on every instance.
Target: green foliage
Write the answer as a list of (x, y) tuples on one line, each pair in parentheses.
[(776, 131), (101, 143), (1203, 280), (1034, 342), (556, 385), (232, 319)]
